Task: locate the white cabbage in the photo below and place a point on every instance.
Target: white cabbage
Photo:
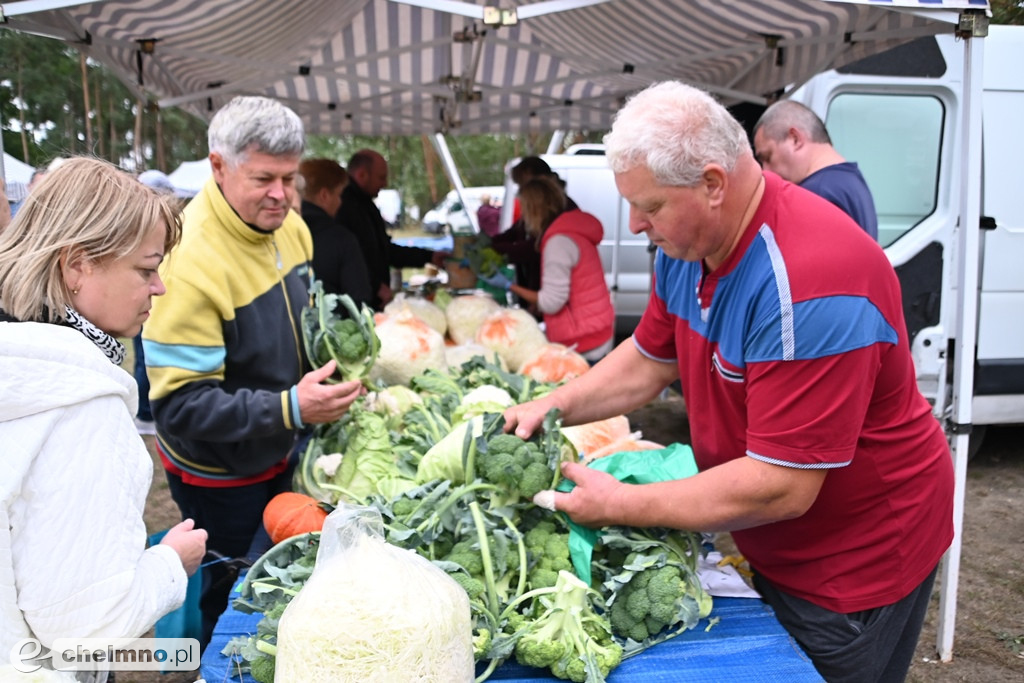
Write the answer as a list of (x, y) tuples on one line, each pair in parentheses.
[(465, 313)]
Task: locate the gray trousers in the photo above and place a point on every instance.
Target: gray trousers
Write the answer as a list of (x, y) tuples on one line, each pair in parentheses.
[(873, 646)]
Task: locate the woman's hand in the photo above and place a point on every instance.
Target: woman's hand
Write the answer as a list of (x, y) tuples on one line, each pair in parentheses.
[(188, 542)]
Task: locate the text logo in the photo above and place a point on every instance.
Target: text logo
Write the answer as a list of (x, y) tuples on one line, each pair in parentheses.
[(107, 654)]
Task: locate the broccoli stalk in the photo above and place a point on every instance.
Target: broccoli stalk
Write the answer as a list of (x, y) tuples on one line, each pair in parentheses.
[(569, 638)]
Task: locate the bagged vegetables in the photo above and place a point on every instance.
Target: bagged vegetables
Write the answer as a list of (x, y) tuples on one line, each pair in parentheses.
[(372, 611)]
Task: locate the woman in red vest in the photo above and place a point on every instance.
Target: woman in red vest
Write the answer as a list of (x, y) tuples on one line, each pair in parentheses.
[(573, 296)]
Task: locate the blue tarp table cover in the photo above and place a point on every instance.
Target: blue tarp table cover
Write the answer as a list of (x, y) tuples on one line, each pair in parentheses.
[(747, 644)]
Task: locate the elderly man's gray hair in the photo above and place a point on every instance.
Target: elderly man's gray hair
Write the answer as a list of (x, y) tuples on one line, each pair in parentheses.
[(260, 124)]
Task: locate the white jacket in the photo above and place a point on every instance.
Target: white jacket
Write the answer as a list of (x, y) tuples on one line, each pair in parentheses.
[(74, 476)]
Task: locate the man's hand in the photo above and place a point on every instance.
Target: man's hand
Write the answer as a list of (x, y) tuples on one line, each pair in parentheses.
[(439, 257), (319, 402), (592, 502), (189, 542), (385, 294), (524, 419)]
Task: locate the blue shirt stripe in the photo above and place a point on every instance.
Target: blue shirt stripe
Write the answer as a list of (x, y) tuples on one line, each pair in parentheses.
[(770, 326), (198, 359)]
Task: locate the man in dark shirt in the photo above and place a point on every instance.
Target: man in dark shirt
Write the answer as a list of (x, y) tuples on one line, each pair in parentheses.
[(790, 140), (368, 174), (337, 257)]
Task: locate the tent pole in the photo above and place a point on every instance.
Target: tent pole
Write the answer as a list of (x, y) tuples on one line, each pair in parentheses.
[(453, 175), (555, 143), (967, 304)]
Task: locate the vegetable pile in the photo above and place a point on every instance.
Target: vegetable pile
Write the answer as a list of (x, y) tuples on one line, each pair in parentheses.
[(432, 459)]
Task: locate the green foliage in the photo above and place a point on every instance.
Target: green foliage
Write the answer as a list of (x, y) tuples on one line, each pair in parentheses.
[(42, 93), (1007, 11)]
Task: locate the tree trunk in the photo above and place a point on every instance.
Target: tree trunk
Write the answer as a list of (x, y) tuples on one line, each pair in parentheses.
[(137, 146), (85, 101), (428, 164), (161, 160), (21, 116), (113, 131), (100, 137)]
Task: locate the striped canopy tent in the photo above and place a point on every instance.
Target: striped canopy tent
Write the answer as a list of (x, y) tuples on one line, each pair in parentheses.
[(377, 67), (399, 67)]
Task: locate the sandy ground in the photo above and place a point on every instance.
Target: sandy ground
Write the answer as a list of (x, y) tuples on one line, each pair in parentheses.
[(989, 633)]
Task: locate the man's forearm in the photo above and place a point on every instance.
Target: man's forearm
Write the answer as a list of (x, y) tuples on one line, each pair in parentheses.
[(624, 380)]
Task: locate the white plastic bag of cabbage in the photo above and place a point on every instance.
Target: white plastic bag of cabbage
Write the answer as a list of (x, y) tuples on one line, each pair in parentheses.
[(372, 611)]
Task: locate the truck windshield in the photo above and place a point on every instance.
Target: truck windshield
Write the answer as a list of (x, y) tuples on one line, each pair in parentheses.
[(896, 141)]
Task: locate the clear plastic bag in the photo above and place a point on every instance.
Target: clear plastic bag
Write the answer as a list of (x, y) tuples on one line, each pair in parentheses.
[(372, 611)]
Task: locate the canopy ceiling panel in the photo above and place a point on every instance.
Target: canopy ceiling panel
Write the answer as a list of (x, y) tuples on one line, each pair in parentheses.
[(385, 67)]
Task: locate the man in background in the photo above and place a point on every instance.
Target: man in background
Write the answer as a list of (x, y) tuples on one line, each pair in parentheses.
[(790, 140), (232, 391), (337, 257), (368, 175), (488, 216)]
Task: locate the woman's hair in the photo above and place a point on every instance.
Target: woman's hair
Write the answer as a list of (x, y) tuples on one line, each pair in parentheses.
[(321, 174), (542, 201), (675, 130), (85, 207), (250, 123)]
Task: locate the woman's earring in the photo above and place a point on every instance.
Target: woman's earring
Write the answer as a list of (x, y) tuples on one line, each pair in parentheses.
[(74, 291)]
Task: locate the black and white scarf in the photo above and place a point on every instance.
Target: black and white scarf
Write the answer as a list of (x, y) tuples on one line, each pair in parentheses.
[(113, 349)]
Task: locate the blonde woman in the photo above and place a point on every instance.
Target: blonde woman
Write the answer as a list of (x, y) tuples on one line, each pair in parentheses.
[(573, 296), (78, 269)]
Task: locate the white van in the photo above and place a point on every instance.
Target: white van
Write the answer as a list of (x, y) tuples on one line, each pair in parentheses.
[(899, 116), (450, 215)]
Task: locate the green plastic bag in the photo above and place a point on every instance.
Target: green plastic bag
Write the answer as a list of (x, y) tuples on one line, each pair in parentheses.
[(629, 467)]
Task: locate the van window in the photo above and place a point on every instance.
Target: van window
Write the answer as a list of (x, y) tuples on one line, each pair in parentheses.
[(896, 141)]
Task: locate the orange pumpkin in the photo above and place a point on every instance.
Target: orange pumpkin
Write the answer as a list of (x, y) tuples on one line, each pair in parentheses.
[(290, 514)]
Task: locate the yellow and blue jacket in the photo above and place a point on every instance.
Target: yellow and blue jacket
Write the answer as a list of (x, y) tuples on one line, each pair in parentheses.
[(223, 346)]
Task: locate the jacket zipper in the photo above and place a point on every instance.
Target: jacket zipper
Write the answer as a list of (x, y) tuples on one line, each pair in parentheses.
[(288, 304)]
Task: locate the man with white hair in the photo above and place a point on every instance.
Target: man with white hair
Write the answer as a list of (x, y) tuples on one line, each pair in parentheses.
[(814, 447), (232, 391)]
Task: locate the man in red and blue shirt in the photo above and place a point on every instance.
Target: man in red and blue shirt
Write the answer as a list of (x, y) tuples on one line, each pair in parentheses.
[(815, 448)]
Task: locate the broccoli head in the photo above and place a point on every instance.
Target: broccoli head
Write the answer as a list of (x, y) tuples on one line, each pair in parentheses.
[(351, 344), (549, 552), (568, 637), (518, 466), (474, 587), (262, 669), (649, 603), (466, 555)]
